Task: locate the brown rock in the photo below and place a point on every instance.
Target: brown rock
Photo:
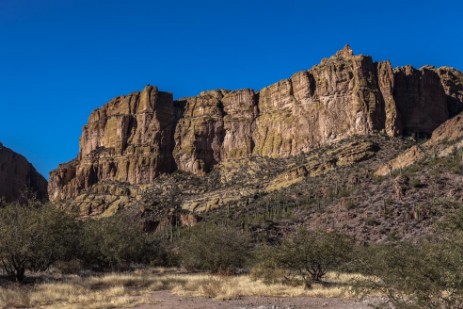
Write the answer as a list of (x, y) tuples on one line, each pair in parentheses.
[(129, 140), (200, 133), (393, 121), (18, 178), (133, 139), (447, 138), (344, 155), (421, 99), (407, 158), (452, 81), (339, 98)]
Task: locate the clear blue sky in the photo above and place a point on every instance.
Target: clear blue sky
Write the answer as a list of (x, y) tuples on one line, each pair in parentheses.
[(60, 59)]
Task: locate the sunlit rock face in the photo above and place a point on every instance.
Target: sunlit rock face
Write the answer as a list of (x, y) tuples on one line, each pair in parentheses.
[(133, 139), (128, 140)]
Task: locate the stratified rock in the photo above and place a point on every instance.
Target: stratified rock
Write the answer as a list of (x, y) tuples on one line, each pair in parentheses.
[(132, 140), (445, 140), (344, 155), (18, 178), (339, 98), (403, 160), (128, 140)]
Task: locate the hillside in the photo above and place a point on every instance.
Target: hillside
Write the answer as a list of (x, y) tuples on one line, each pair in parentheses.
[(18, 178)]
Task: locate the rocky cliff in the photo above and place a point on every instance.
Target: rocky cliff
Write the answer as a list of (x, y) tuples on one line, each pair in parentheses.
[(18, 178), (134, 139)]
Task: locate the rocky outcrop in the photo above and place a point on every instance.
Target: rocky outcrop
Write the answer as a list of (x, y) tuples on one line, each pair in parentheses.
[(128, 140), (403, 160), (445, 140), (132, 140), (344, 155), (452, 82), (18, 178)]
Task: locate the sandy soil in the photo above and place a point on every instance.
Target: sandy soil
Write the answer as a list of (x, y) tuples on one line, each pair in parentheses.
[(166, 300)]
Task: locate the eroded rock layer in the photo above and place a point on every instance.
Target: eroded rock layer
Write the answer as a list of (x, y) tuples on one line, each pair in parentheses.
[(128, 140), (132, 140)]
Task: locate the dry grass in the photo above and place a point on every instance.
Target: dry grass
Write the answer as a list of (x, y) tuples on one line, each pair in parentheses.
[(131, 289), (72, 292), (240, 286)]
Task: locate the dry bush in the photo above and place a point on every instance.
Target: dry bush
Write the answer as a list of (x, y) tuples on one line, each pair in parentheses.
[(216, 249)]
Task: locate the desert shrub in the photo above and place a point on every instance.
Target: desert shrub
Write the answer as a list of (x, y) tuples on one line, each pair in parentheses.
[(114, 243), (213, 248), (427, 275), (265, 267), (313, 254), (162, 251), (34, 236)]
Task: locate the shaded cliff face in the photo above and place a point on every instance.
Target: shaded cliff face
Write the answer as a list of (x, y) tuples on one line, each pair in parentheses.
[(423, 101), (132, 140), (18, 177)]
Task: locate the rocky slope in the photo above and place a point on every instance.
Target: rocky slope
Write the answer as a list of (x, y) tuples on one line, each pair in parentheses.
[(446, 140), (132, 141), (18, 178)]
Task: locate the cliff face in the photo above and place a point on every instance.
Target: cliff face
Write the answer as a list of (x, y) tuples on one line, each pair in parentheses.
[(133, 139), (341, 97), (216, 126), (452, 82), (423, 101), (128, 140), (18, 177)]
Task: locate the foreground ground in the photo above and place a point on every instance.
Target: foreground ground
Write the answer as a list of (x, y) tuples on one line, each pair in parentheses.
[(165, 299), (159, 288)]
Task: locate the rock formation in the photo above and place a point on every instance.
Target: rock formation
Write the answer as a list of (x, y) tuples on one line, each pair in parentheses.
[(423, 101), (18, 178), (129, 140), (132, 140), (445, 140)]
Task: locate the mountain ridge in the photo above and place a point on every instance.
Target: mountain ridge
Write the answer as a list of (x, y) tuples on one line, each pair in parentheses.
[(133, 140)]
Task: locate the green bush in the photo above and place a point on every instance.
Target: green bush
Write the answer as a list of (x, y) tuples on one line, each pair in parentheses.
[(313, 254), (266, 268), (427, 275), (216, 249), (34, 236), (114, 243)]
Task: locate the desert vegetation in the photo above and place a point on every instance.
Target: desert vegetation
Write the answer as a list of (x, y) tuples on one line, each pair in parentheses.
[(51, 258)]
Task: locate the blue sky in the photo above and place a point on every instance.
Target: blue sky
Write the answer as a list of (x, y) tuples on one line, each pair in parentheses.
[(60, 59)]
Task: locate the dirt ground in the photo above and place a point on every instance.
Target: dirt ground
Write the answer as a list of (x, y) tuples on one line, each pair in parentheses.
[(166, 300)]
